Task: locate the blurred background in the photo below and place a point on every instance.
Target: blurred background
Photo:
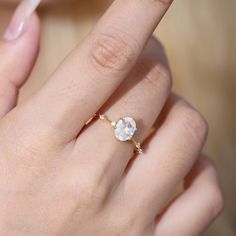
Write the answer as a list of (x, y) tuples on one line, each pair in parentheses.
[(200, 39)]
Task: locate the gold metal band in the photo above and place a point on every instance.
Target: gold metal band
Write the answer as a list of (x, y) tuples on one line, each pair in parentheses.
[(131, 127)]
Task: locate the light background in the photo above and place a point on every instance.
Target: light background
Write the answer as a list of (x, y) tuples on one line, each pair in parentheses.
[(200, 39)]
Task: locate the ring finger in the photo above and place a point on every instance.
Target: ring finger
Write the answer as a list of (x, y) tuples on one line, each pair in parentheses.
[(142, 97)]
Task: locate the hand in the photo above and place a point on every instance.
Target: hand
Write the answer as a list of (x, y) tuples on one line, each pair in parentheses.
[(59, 178)]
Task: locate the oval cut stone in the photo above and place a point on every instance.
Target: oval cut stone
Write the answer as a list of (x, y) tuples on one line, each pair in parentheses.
[(125, 129)]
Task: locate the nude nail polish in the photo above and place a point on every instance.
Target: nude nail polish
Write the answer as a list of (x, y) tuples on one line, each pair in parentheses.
[(19, 20)]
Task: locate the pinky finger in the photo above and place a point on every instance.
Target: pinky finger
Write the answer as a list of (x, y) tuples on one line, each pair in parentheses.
[(201, 202)]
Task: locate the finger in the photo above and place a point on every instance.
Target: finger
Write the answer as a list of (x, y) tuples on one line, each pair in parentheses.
[(92, 72), (169, 156), (18, 51), (197, 206), (141, 96)]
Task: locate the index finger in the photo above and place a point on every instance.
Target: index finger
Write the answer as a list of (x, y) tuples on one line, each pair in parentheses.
[(94, 70)]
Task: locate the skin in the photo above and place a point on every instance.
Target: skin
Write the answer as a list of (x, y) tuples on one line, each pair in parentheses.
[(58, 178)]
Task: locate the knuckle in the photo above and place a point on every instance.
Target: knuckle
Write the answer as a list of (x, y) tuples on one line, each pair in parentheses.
[(160, 45), (159, 73), (155, 45), (194, 123), (123, 223), (112, 51), (81, 192), (24, 151), (216, 203), (156, 74), (85, 190)]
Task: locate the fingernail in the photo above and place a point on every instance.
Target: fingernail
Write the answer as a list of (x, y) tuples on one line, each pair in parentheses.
[(19, 20)]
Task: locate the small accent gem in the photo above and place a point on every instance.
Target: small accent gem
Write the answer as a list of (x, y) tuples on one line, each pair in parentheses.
[(113, 123), (139, 149), (101, 117)]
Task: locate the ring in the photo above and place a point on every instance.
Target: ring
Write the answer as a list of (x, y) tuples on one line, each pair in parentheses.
[(125, 129)]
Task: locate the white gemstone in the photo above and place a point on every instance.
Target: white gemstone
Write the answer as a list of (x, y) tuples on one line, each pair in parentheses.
[(101, 117), (125, 129), (113, 123)]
